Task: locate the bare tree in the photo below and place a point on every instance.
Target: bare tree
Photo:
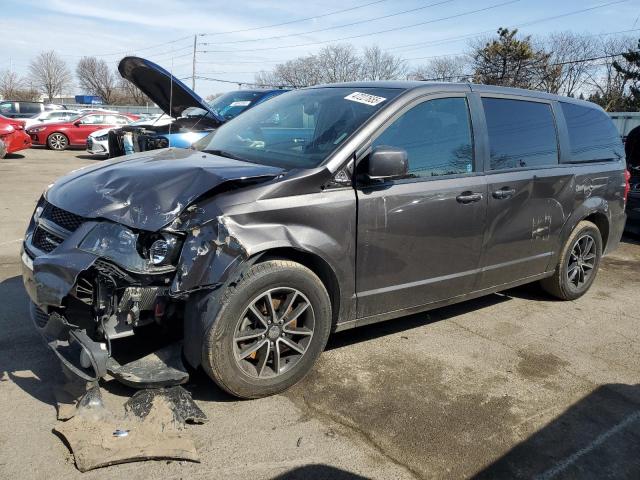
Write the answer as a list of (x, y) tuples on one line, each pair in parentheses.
[(334, 63), (49, 74), (129, 94), (569, 66), (609, 84), (96, 78), (14, 87), (339, 63), (377, 64), (442, 69)]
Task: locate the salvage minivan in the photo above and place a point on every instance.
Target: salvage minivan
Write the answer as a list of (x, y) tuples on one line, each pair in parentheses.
[(323, 209)]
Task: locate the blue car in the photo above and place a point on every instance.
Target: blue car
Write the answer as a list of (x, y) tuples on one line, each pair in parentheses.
[(192, 117)]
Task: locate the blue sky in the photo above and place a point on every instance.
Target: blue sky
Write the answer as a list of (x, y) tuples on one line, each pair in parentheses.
[(110, 29)]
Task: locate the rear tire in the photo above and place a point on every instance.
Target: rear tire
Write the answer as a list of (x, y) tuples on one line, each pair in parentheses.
[(57, 141), (578, 263), (296, 329)]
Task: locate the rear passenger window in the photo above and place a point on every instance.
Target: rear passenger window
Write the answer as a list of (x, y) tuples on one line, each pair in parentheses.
[(592, 135), (7, 108), (521, 133), (436, 135), (28, 107)]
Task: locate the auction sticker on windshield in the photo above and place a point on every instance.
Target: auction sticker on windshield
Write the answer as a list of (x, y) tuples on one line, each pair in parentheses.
[(365, 98), (240, 103)]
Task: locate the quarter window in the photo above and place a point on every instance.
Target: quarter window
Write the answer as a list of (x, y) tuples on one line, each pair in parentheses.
[(521, 134), (592, 135), (436, 135)]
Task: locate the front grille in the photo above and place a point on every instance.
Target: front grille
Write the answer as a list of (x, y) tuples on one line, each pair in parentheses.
[(45, 241), (67, 220)]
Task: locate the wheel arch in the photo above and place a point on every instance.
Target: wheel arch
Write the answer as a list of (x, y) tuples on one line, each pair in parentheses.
[(317, 265), (602, 222)]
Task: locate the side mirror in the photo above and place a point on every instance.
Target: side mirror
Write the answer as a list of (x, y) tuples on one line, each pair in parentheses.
[(77, 123), (387, 162)]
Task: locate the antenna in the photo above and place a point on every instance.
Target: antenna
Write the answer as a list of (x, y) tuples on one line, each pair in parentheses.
[(171, 97), (193, 66)]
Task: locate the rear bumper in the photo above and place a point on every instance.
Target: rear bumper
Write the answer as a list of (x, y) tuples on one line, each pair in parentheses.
[(616, 228), (16, 141)]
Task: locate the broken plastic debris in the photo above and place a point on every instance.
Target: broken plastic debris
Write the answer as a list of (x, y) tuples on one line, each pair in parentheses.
[(121, 433), (178, 400)]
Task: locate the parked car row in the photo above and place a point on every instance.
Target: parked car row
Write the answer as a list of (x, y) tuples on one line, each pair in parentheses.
[(74, 132), (187, 117), (191, 118), (20, 109)]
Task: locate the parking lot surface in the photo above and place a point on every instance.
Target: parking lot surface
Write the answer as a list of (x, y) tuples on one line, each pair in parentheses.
[(513, 385)]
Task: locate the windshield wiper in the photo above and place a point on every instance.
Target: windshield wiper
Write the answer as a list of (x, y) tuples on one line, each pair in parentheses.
[(224, 153)]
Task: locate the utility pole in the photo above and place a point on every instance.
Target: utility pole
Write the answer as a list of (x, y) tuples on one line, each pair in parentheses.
[(193, 66)]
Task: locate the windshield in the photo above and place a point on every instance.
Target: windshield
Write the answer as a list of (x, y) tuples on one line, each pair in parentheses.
[(231, 104), (298, 129)]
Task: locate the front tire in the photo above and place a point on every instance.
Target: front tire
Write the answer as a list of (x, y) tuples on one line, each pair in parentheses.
[(578, 264), (270, 330), (57, 141)]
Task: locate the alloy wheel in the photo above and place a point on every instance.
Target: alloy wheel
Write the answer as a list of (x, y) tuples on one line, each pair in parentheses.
[(582, 261), (57, 141), (274, 332)]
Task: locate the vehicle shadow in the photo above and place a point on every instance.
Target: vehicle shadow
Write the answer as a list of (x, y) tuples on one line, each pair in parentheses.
[(597, 437), (88, 156), (409, 322), (318, 472), (25, 359), (631, 238), (13, 156)]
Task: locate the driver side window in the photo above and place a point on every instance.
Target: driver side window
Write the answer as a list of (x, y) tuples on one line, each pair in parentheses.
[(436, 135)]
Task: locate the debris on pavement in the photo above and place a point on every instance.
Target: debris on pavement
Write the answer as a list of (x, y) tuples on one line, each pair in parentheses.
[(178, 399), (67, 396), (152, 427)]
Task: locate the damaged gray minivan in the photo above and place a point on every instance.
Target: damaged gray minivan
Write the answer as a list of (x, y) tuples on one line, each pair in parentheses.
[(323, 209)]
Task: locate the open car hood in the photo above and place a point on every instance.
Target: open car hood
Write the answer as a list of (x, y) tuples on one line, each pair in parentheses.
[(165, 90), (149, 190)]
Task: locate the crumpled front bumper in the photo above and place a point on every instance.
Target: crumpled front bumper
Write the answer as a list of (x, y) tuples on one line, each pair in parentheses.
[(48, 279)]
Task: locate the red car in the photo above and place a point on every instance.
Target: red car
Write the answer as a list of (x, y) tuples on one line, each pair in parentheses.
[(74, 133), (12, 136)]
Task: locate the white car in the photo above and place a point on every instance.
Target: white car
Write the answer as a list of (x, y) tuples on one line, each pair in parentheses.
[(98, 141), (50, 116)]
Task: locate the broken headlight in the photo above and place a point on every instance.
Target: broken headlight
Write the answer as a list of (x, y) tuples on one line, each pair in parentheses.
[(137, 252)]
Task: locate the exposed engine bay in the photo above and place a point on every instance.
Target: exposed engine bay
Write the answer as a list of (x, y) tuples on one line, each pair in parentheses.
[(131, 139)]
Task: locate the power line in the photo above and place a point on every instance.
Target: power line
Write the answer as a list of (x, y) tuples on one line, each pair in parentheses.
[(126, 52), (556, 64), (469, 12), (463, 75), (237, 82), (333, 27), (335, 12), (464, 53), (525, 24)]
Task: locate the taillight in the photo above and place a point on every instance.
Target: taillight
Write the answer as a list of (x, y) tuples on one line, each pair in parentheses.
[(627, 185)]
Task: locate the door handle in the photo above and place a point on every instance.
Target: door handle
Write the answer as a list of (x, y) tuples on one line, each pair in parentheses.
[(504, 192), (469, 197)]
